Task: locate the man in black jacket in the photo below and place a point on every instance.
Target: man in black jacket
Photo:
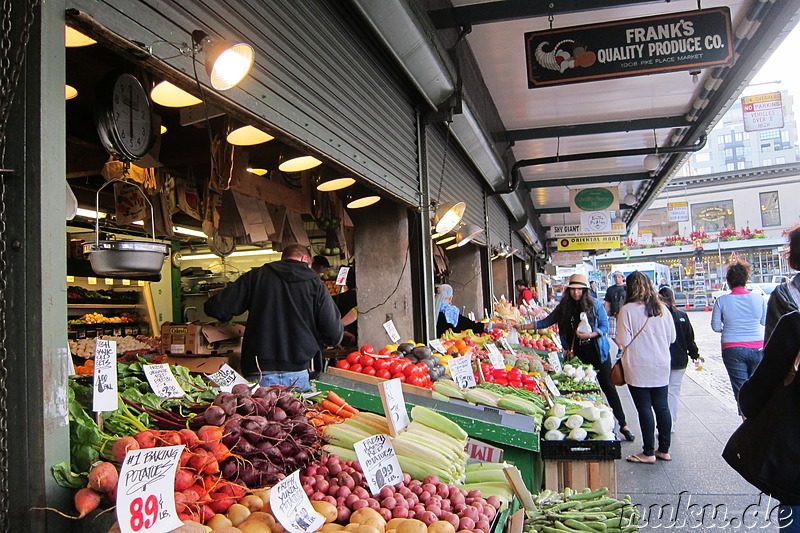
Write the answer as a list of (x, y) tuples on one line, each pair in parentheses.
[(291, 316)]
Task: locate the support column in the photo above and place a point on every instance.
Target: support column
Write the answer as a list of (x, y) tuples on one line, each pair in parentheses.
[(500, 279), (37, 357), (383, 272), (465, 277)]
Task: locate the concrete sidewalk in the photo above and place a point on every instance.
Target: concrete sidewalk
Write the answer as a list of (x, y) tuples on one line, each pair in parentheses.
[(697, 490)]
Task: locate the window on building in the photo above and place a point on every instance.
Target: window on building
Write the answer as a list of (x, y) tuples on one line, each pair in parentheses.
[(738, 151), (769, 134), (766, 147), (766, 161), (728, 138), (657, 222), (730, 166), (728, 153), (738, 136), (713, 216), (770, 210), (780, 160)]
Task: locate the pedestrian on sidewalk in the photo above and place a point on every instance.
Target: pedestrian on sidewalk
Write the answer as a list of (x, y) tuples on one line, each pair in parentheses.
[(786, 296), (590, 348), (740, 317), (613, 300), (644, 333), (680, 351)]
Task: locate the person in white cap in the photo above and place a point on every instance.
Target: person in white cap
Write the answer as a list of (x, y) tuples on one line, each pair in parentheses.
[(591, 348)]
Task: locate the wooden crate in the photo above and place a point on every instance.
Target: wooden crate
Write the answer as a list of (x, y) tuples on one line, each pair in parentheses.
[(578, 475)]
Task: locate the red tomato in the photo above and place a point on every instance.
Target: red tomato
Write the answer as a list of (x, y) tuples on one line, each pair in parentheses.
[(366, 360), (343, 364), (383, 373), (400, 376), (417, 381), (410, 370), (369, 370), (367, 349), (356, 368), (354, 357), (384, 351), (380, 364)]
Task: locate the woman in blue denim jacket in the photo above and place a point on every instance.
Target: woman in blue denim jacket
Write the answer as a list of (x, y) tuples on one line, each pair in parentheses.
[(591, 348)]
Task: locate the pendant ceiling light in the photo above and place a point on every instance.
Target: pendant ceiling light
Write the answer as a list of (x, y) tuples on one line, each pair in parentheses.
[(292, 160), (258, 171), (446, 239), (169, 95), (227, 62), (448, 215), (70, 92), (335, 184), (163, 129), (466, 233), (74, 39), (248, 136), (363, 202)]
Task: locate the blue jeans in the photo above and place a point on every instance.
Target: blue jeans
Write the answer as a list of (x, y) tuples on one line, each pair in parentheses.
[(740, 364), (789, 518), (297, 380), (647, 400)]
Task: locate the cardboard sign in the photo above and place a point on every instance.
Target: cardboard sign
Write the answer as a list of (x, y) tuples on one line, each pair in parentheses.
[(394, 405), (391, 331), (104, 385), (481, 452), (574, 230), (341, 277), (495, 357), (291, 506), (162, 381), (687, 40), (146, 490), (437, 345), (507, 346), (523, 494), (379, 462), (226, 378), (554, 361), (551, 386), (461, 371)]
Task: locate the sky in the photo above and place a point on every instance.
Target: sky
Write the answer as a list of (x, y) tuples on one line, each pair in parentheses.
[(780, 68)]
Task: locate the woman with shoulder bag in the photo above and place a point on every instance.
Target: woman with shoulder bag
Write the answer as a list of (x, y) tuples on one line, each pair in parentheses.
[(644, 333), (591, 348)]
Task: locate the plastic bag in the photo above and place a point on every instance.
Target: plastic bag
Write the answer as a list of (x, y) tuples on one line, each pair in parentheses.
[(584, 326)]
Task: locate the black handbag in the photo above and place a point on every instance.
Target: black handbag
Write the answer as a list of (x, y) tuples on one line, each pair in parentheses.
[(765, 449)]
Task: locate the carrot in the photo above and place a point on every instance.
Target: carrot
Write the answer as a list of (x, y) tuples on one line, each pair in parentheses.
[(338, 400), (316, 421), (335, 409), (329, 418)]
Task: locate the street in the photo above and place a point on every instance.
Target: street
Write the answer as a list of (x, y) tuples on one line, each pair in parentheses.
[(713, 378)]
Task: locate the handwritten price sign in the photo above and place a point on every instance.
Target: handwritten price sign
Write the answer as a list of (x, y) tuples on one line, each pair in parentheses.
[(495, 357), (391, 392), (377, 458), (104, 397), (162, 381), (146, 490), (461, 371), (226, 378), (291, 506)]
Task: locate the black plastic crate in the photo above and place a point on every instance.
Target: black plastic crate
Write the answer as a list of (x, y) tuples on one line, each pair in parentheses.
[(581, 450)]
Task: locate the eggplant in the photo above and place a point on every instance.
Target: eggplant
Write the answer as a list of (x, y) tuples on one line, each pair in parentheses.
[(422, 352), (405, 347)]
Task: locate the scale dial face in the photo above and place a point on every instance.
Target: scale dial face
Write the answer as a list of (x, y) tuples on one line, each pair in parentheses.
[(124, 117), (220, 245)]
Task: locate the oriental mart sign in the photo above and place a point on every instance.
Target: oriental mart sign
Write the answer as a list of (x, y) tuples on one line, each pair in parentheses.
[(688, 40)]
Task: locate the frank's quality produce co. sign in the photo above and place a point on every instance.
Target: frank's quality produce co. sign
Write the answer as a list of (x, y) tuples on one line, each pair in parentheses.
[(634, 47)]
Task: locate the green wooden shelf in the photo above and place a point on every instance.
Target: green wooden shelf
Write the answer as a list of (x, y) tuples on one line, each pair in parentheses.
[(514, 433)]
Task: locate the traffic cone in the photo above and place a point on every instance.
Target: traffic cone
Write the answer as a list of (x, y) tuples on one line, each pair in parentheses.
[(707, 308), (688, 306)]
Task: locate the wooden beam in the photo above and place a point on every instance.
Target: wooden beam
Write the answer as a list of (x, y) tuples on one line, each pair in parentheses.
[(273, 193)]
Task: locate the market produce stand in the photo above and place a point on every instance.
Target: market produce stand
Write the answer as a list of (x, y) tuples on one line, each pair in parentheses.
[(512, 432)]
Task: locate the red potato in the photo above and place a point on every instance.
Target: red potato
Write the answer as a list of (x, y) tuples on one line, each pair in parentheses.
[(103, 477), (86, 501), (121, 448)]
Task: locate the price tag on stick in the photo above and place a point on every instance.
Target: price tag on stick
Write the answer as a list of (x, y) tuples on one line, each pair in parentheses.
[(104, 397), (226, 378), (379, 462), (508, 347), (291, 506), (461, 371), (495, 357), (394, 405), (146, 490), (551, 386), (162, 381), (392, 331), (554, 361), (437, 345)]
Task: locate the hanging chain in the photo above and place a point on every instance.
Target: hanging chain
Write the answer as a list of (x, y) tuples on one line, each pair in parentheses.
[(550, 16), (9, 78)]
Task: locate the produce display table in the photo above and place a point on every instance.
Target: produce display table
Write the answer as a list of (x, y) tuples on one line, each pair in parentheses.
[(512, 432), (581, 464)]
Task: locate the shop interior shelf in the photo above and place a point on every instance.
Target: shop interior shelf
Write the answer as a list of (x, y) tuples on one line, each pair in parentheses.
[(103, 306)]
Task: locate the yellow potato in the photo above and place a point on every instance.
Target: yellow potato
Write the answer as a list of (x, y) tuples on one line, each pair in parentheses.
[(252, 502), (330, 528), (254, 526), (219, 521), (441, 526), (393, 523), (412, 526), (326, 509), (365, 512), (237, 513)]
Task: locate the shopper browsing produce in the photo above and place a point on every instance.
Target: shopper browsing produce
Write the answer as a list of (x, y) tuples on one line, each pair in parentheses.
[(525, 294), (739, 316), (680, 351), (450, 318), (592, 347), (291, 316), (644, 332)]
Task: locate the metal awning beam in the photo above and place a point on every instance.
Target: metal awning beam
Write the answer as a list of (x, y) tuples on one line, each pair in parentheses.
[(659, 123), (559, 210), (587, 180), (501, 10)]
